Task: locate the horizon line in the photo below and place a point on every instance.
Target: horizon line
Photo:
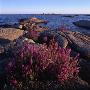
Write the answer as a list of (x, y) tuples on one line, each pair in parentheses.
[(44, 13)]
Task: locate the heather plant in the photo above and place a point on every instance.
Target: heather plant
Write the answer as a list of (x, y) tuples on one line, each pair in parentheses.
[(34, 34), (40, 62)]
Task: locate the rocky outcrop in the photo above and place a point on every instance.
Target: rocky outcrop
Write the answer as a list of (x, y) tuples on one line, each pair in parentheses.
[(1, 49), (32, 20), (30, 23), (10, 33), (62, 41), (20, 41), (79, 42), (83, 24), (85, 70)]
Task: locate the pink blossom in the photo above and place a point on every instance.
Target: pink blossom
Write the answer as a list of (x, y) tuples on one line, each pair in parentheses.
[(14, 82)]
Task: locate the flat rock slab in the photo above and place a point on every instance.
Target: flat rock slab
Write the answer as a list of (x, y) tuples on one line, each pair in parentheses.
[(10, 33), (79, 42), (7, 35)]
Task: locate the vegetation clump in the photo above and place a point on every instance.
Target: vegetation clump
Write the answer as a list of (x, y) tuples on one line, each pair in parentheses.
[(40, 63)]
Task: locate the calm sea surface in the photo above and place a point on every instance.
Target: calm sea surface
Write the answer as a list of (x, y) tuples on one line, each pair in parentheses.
[(55, 21)]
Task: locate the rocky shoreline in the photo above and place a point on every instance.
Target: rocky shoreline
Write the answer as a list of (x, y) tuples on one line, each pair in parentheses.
[(78, 42), (83, 24)]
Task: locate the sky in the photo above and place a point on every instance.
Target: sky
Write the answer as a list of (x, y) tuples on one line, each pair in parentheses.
[(44, 6)]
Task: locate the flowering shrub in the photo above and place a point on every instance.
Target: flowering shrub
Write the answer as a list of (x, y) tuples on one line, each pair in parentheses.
[(34, 34), (40, 62)]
